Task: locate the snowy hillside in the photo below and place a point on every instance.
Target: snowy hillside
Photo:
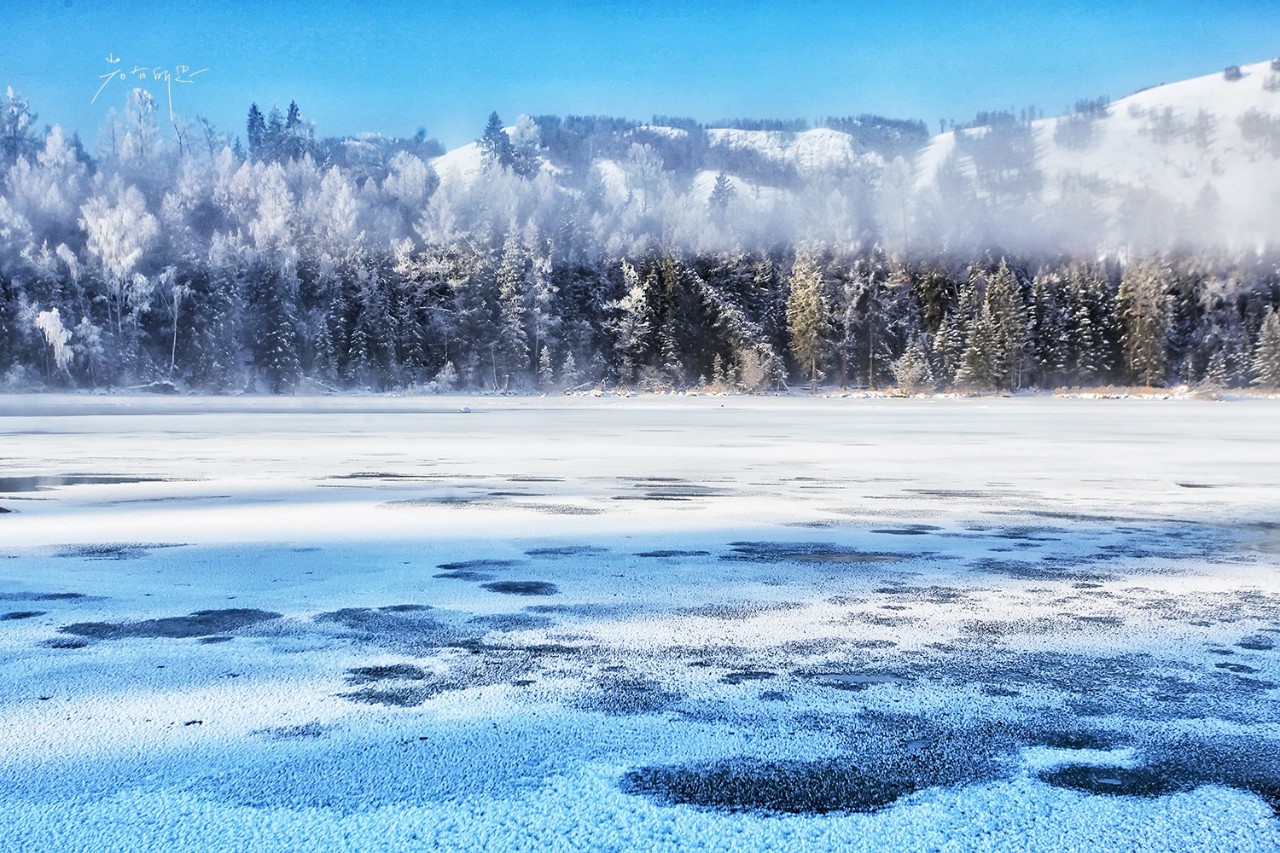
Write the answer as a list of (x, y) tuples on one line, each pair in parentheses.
[(811, 153), (1188, 163), (1198, 156)]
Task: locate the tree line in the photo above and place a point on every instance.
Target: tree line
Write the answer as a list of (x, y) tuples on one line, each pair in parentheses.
[(278, 269)]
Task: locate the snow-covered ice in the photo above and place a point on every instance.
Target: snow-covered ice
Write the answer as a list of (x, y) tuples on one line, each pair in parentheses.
[(638, 623)]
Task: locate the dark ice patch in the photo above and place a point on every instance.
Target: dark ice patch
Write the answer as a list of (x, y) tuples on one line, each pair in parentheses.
[(511, 622), (202, 623), (740, 610), (440, 500), (42, 596), (464, 576), (747, 675), (1238, 668), (907, 530), (113, 551), (1119, 781), (997, 690), (794, 787), (522, 587), (856, 681), (66, 644), (672, 553), (15, 615), (478, 565), (303, 731), (1257, 643), (1077, 740), (567, 551), (558, 509), (412, 631), (40, 483), (385, 672), (624, 694), (395, 697), (213, 641), (803, 552)]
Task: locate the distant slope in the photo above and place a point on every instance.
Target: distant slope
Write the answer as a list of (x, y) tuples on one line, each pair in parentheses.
[(1190, 163), (1199, 156)]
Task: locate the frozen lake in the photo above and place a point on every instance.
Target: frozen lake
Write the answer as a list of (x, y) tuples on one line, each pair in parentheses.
[(639, 623)]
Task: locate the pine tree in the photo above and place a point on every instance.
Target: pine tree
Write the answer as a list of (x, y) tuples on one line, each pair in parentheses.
[(1266, 355), (807, 318), (722, 195), (496, 145), (1143, 308), (294, 145), (273, 139), (952, 340), (512, 343), (1090, 317), (1048, 328), (1008, 313), (544, 367), (993, 359), (912, 371), (256, 132)]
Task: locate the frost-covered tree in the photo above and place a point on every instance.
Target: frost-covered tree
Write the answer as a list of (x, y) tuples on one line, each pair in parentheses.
[(807, 318), (512, 346), (16, 123), (632, 324), (496, 145), (1142, 305), (912, 370), (1266, 354), (57, 337), (993, 358), (119, 231)]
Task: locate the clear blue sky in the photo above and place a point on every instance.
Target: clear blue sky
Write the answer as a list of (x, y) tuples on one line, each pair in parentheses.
[(445, 64)]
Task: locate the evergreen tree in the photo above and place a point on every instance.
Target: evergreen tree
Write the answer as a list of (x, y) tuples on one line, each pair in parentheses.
[(912, 371), (256, 132), (722, 195), (1048, 328), (952, 340), (545, 374), (807, 318), (1143, 308), (273, 138), (1090, 317), (993, 359), (1266, 354), (512, 343), (294, 133), (16, 123), (496, 145)]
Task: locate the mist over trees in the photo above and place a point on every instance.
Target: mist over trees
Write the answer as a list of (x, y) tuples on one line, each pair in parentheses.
[(584, 251)]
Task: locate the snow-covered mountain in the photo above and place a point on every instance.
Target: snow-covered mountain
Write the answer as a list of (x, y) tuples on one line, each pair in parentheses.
[(1195, 162), (1201, 156)]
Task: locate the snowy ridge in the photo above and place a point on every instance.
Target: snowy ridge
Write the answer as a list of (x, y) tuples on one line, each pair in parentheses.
[(1202, 149), (811, 152)]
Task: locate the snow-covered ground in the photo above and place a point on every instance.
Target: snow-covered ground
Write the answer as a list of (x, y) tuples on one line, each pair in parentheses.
[(639, 623)]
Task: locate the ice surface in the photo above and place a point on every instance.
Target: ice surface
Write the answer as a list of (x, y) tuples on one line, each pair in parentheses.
[(639, 623)]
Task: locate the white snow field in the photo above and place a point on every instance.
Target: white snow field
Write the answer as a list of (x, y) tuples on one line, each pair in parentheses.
[(639, 623)]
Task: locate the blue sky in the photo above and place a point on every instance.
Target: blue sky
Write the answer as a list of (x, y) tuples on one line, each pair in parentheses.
[(444, 64)]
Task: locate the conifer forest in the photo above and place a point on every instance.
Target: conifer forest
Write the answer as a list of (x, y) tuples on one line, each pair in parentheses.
[(590, 252)]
